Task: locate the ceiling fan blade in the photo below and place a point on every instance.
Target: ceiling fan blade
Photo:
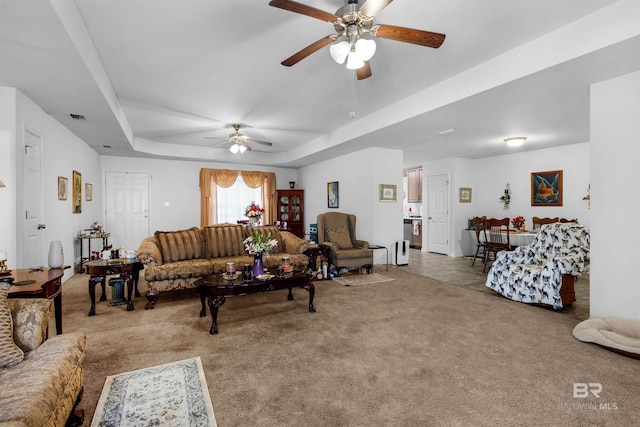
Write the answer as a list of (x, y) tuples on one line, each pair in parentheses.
[(371, 8), (364, 71), (259, 142), (408, 35), (219, 144), (299, 56), (303, 9)]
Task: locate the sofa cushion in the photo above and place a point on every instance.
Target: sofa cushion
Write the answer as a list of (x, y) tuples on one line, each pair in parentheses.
[(265, 230), (10, 353), (340, 236), (223, 240), (180, 245), (30, 321)]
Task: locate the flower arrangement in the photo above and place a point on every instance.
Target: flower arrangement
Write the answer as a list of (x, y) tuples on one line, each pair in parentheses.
[(258, 243), (518, 222), (253, 211)]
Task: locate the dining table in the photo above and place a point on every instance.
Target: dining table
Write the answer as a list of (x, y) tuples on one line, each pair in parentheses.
[(517, 238)]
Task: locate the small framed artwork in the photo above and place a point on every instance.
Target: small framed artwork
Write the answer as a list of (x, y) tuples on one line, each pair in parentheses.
[(332, 194), (88, 192), (77, 193), (546, 188), (465, 195), (63, 187), (388, 192)]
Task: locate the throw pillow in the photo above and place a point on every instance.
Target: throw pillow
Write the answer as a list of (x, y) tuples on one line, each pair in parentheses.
[(340, 236), (180, 245), (10, 353), (30, 321)]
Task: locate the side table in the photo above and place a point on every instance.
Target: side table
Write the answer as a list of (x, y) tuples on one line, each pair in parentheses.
[(386, 262), (128, 269), (39, 283)]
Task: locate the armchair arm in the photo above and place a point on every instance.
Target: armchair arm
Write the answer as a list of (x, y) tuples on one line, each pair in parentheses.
[(520, 255), (363, 244), (149, 252), (293, 244), (571, 264), (332, 246)]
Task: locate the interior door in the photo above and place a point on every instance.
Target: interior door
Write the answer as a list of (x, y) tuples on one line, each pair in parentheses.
[(33, 245), (127, 208), (438, 214)]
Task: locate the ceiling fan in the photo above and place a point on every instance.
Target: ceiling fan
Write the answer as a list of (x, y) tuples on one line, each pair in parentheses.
[(351, 22), (239, 142)]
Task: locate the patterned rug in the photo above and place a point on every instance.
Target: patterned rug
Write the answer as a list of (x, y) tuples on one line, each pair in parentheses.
[(174, 394), (362, 279)]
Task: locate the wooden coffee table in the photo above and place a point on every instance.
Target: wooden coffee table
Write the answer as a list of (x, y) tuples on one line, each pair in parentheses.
[(215, 289)]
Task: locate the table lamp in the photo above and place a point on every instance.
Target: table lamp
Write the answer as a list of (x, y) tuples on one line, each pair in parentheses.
[(3, 261)]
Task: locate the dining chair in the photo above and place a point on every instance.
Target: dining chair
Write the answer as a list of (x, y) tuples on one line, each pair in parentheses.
[(539, 222), (478, 226), (496, 236), (565, 220)]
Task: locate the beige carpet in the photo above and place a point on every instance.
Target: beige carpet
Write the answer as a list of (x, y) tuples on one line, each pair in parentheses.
[(410, 352), (361, 279)]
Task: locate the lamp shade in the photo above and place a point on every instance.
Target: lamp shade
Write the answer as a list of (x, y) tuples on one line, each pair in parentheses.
[(2, 184), (234, 148), (339, 51)]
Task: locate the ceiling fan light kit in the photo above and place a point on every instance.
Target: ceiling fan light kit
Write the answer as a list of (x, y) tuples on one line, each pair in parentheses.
[(351, 22), (239, 142)]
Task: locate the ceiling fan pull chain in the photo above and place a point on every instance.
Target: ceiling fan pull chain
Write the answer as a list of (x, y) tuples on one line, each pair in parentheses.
[(352, 113)]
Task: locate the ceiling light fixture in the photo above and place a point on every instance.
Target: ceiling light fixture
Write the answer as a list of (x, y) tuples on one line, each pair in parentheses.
[(515, 141), (356, 53), (238, 148)]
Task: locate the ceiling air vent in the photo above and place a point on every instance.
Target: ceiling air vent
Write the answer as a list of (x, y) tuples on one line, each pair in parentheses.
[(76, 116)]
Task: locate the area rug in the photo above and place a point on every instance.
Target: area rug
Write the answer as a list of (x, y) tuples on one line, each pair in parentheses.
[(174, 394), (362, 279)]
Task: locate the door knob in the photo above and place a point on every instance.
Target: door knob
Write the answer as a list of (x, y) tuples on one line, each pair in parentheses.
[(41, 226)]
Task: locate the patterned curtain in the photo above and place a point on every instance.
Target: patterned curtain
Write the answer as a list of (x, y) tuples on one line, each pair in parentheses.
[(211, 178)]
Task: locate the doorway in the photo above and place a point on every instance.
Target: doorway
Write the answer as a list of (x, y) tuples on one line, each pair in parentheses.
[(127, 208), (438, 214)]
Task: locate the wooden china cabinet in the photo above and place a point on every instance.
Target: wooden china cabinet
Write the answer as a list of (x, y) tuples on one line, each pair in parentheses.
[(290, 210)]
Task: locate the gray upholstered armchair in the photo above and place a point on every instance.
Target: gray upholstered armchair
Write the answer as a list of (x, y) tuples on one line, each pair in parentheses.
[(338, 231)]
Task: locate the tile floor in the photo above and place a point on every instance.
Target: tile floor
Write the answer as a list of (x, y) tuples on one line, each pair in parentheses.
[(459, 272)]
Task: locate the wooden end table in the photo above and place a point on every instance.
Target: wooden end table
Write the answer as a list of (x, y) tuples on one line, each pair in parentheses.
[(215, 289), (38, 283), (128, 269)]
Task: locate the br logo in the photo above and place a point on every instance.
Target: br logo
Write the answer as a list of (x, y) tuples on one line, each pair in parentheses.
[(582, 390)]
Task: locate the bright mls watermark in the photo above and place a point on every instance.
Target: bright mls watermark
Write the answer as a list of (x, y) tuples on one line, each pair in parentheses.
[(589, 391)]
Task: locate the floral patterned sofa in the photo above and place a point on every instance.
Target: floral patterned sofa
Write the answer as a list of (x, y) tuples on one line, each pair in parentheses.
[(177, 259), (537, 273), (41, 379)]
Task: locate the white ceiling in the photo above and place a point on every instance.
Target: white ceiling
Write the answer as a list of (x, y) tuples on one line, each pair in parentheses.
[(155, 78)]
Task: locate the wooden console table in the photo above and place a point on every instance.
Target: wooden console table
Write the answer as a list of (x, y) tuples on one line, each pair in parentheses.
[(128, 269), (38, 283)]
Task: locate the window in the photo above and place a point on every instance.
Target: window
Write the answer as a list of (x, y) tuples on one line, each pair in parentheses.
[(232, 201)]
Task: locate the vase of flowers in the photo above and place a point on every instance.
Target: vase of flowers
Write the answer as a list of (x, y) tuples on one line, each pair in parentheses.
[(518, 223), (256, 245), (254, 213)]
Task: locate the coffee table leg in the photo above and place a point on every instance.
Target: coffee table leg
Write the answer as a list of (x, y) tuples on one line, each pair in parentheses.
[(290, 296), (129, 282), (311, 288), (214, 305), (93, 281)]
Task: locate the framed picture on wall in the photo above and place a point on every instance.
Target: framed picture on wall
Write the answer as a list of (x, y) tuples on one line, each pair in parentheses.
[(388, 192), (546, 188), (77, 193), (332, 194), (88, 192), (465, 195), (63, 187)]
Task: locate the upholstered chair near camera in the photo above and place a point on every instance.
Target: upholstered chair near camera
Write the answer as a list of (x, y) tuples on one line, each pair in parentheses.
[(337, 230)]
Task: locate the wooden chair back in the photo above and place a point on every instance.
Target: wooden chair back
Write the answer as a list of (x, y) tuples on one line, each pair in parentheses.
[(565, 220), (496, 233), (539, 222)]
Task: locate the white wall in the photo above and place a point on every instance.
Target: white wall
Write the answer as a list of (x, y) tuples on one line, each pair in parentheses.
[(359, 176), (63, 152), (174, 187), (615, 237), (487, 179)]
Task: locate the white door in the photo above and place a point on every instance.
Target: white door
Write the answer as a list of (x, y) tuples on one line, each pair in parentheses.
[(33, 246), (438, 214), (127, 208)]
